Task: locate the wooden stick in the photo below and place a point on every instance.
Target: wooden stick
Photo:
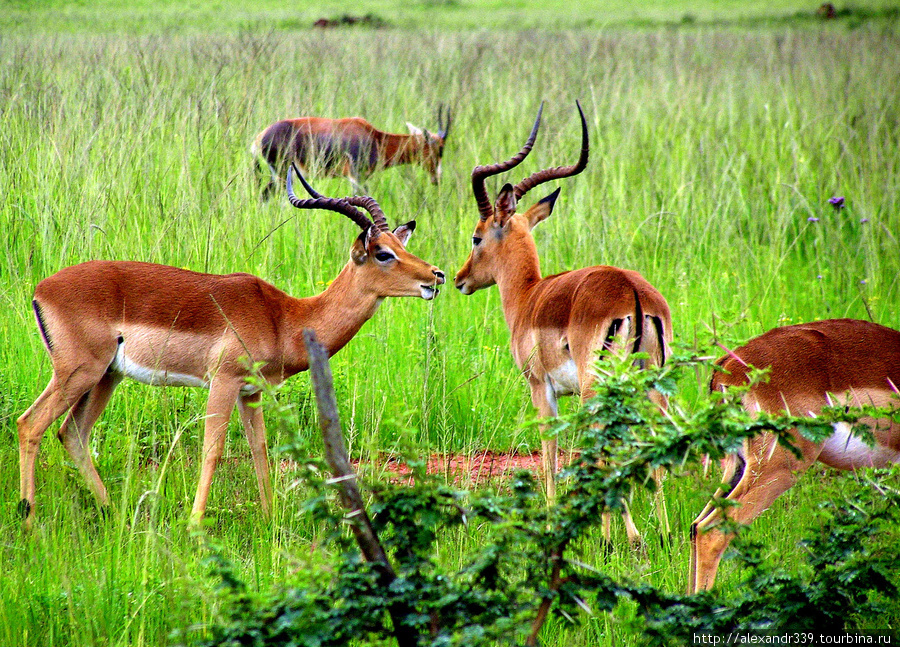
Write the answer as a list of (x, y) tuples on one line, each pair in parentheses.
[(345, 478)]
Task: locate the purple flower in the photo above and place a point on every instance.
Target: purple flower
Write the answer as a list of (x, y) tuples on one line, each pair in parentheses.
[(837, 202), (864, 220), (812, 219)]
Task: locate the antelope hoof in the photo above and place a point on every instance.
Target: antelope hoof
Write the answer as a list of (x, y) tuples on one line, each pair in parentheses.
[(24, 508)]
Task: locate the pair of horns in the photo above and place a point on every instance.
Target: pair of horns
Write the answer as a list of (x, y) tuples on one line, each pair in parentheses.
[(345, 206), (443, 130), (481, 173)]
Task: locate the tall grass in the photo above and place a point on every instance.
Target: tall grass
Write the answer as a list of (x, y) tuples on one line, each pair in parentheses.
[(230, 16), (713, 155)]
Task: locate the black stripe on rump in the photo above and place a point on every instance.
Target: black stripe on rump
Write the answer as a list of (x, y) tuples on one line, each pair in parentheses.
[(41, 325)]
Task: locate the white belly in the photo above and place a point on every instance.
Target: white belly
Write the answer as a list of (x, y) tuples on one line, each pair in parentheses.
[(124, 365), (845, 451)]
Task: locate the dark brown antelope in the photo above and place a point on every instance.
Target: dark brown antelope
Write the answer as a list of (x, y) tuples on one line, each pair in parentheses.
[(835, 362), (346, 147), (104, 320), (558, 323)]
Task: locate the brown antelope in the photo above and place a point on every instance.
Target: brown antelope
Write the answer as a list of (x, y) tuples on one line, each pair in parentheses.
[(350, 147), (835, 362), (104, 320), (557, 323)]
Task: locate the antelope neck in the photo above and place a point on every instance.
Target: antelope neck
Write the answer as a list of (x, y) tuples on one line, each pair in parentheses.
[(399, 149), (517, 276), (343, 307)]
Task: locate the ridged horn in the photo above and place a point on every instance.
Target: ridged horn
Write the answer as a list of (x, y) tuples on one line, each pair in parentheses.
[(379, 221), (559, 172), (318, 201), (481, 173)]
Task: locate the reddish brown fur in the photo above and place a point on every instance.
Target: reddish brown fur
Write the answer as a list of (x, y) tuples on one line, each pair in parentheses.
[(210, 329), (564, 319), (842, 360), (558, 324), (349, 147)]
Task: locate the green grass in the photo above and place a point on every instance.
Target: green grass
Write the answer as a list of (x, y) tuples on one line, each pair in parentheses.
[(173, 17), (712, 147)]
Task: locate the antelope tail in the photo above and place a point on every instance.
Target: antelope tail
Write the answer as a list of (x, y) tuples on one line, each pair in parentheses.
[(638, 322)]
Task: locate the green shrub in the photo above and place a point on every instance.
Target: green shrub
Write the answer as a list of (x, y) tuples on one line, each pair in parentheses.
[(524, 570)]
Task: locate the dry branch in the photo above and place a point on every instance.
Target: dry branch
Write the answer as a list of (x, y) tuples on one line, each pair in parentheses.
[(345, 478)]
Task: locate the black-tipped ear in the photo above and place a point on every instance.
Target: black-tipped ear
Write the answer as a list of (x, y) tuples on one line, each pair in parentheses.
[(505, 206), (403, 232), (541, 210), (551, 199)]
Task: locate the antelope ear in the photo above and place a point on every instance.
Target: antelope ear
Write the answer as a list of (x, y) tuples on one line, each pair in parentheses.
[(505, 206), (541, 211), (359, 250), (413, 130), (403, 232)]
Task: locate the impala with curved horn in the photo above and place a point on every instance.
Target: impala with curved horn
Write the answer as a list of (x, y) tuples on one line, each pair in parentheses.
[(104, 320), (833, 362), (350, 147), (557, 323)]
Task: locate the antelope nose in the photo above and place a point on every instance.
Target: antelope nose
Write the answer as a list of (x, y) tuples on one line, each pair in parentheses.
[(439, 276)]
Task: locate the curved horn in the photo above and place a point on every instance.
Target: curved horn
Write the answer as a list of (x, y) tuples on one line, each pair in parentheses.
[(480, 173), (340, 205), (546, 175), (444, 130), (378, 220)]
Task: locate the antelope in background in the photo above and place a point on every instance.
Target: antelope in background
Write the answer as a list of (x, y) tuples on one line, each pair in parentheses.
[(104, 320), (558, 323), (350, 147), (834, 362)]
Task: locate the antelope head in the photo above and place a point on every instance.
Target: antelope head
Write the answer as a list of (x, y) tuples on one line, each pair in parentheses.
[(430, 145), (502, 234), (378, 255)]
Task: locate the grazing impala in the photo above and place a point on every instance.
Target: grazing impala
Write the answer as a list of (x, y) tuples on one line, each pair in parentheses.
[(104, 320), (349, 147), (557, 323), (840, 361)]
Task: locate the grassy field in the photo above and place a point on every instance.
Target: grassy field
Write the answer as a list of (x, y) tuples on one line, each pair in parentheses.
[(715, 148), (229, 16)]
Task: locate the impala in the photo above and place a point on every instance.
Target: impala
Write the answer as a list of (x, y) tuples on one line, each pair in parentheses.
[(104, 320), (557, 323), (350, 147), (839, 361)]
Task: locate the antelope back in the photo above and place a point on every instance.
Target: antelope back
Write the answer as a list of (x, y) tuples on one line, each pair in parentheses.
[(808, 361)]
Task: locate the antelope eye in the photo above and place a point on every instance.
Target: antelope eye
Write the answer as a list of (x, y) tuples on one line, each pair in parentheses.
[(476, 241), (384, 257)]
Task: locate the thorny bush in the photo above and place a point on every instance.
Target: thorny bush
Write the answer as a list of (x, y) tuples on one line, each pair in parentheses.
[(524, 571)]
